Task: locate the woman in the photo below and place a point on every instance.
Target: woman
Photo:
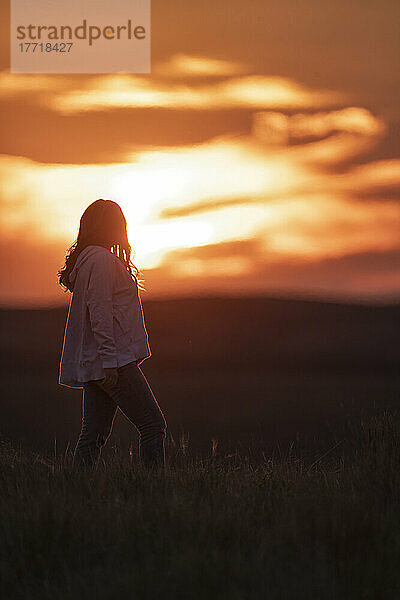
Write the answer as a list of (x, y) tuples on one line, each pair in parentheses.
[(106, 339)]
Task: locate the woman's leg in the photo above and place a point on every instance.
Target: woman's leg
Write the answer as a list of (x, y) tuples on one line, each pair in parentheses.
[(136, 400), (98, 412)]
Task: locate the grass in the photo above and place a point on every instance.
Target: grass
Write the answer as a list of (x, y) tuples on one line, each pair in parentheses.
[(218, 527)]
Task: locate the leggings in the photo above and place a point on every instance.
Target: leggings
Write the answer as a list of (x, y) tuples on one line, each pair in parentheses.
[(133, 396)]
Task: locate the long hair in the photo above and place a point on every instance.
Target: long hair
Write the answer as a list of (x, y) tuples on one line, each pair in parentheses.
[(102, 224)]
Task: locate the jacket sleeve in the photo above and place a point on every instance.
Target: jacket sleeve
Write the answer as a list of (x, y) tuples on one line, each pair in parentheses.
[(99, 302)]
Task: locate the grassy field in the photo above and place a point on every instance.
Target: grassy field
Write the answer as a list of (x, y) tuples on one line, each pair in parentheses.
[(281, 527)]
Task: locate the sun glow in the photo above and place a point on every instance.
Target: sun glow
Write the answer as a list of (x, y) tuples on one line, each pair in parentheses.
[(227, 206), (154, 240)]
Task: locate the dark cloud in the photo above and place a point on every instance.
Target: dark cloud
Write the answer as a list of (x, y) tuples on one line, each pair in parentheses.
[(205, 205), (382, 192), (45, 136), (364, 276), (248, 248)]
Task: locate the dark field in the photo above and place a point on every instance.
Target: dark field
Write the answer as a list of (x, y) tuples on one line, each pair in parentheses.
[(283, 477), (289, 528), (249, 373)]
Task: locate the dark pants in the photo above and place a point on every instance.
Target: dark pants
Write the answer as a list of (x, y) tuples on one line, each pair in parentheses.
[(135, 399)]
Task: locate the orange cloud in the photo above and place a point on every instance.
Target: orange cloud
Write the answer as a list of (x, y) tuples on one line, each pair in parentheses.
[(68, 94), (13, 84), (180, 65), (256, 92), (375, 175), (277, 127)]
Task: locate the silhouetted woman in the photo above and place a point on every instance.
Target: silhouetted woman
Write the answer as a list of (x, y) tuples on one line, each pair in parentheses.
[(105, 337)]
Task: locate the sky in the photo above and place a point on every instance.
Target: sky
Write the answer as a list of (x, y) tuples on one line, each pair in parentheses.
[(260, 156)]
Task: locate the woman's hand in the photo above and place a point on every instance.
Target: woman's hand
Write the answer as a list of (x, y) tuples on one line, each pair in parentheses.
[(111, 378)]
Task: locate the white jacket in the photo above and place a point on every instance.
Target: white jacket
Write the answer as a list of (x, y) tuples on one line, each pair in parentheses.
[(105, 325)]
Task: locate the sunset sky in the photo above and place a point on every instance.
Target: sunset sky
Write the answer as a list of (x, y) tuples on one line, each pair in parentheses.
[(261, 155)]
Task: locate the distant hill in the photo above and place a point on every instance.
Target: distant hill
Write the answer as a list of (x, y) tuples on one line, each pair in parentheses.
[(237, 370), (259, 333)]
